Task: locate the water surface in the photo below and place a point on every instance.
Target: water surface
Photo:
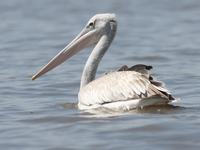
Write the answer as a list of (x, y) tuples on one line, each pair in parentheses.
[(41, 114)]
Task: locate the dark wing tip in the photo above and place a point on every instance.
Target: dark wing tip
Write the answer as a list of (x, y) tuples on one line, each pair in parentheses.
[(149, 67), (123, 68)]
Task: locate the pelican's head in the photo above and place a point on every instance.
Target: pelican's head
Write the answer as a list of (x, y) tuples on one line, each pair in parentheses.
[(98, 26)]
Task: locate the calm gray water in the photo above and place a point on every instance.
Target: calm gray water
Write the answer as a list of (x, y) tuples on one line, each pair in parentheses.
[(41, 114)]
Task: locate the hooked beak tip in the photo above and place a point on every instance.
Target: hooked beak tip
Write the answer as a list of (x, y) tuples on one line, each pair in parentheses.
[(32, 78)]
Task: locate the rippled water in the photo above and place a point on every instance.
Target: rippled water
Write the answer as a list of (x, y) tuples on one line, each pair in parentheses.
[(42, 114)]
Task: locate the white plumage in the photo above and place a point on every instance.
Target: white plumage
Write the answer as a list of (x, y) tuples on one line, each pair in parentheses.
[(124, 90)]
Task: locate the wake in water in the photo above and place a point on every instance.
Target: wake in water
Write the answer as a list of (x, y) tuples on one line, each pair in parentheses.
[(105, 112)]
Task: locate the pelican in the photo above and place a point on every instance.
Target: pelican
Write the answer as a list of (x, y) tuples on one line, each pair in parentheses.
[(125, 89)]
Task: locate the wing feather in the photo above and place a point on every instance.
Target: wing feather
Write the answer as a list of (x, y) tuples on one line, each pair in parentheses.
[(116, 86)]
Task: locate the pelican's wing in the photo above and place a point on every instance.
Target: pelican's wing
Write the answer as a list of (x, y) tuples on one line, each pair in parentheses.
[(117, 86)]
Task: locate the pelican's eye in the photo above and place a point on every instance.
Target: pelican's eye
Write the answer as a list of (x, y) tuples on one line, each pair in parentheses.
[(91, 25)]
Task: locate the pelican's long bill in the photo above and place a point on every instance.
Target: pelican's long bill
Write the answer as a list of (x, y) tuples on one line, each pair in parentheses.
[(83, 40)]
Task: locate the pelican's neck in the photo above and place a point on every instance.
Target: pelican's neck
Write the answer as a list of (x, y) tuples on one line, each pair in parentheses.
[(95, 57)]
